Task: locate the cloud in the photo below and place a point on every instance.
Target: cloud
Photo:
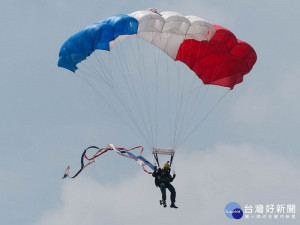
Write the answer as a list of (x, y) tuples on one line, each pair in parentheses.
[(289, 90), (264, 107), (251, 108), (206, 181)]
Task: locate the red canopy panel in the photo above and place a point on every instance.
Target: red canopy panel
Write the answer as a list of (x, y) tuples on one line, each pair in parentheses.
[(223, 60)]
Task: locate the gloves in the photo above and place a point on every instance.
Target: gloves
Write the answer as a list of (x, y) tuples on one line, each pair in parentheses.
[(174, 175), (155, 168)]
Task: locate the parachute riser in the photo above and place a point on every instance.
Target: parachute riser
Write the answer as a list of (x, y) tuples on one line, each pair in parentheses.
[(163, 151)]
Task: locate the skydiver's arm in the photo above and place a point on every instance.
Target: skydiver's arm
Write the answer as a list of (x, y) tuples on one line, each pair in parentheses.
[(172, 177), (154, 174)]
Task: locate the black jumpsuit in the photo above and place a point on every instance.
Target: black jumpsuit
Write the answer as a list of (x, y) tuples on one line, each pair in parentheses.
[(163, 180)]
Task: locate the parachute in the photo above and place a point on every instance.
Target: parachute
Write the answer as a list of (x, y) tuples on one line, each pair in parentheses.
[(192, 40), (113, 57)]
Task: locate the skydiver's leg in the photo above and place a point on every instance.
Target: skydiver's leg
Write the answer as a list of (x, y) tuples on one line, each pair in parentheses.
[(173, 195), (162, 187), (173, 192)]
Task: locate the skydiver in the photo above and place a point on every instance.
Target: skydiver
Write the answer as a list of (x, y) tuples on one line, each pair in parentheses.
[(163, 180)]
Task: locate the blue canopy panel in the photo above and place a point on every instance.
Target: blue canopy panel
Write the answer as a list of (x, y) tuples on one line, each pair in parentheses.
[(96, 36)]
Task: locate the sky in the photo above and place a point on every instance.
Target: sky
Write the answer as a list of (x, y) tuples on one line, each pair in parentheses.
[(246, 151)]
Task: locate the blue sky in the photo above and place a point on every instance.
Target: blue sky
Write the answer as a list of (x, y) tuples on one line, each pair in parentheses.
[(48, 116)]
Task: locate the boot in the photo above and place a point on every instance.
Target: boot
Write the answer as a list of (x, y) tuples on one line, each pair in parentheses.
[(173, 205), (162, 202)]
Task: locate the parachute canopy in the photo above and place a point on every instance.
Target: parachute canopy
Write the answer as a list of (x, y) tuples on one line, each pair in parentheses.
[(214, 53), (143, 66)]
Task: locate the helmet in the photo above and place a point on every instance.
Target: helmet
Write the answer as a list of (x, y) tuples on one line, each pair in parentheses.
[(166, 166)]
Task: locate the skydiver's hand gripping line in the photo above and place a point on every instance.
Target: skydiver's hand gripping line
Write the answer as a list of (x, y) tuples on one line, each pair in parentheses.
[(86, 161)]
